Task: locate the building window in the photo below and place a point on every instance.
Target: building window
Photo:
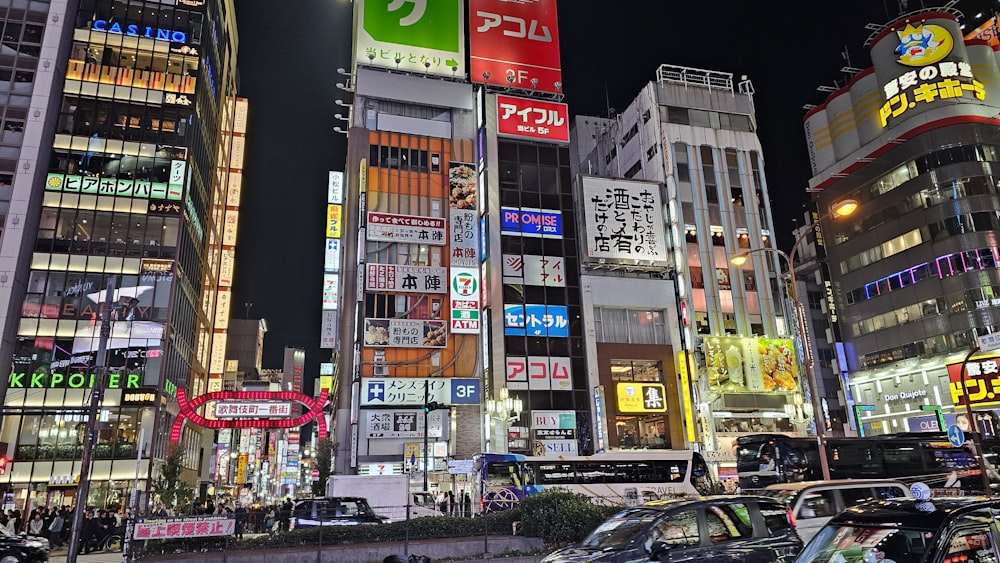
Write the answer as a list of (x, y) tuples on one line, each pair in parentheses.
[(634, 169), (629, 326), (708, 173)]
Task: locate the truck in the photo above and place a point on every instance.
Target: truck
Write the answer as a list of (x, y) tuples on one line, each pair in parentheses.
[(388, 495)]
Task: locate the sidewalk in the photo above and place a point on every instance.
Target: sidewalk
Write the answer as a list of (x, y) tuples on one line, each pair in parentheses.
[(59, 556)]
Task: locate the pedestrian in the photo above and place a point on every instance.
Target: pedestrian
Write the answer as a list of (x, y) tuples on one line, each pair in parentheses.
[(467, 503), (270, 522), (55, 530), (451, 503), (241, 520), (37, 526), (160, 511), (11, 523), (89, 533)]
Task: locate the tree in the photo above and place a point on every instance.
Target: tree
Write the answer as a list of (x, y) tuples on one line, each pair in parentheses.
[(170, 486), (324, 462)]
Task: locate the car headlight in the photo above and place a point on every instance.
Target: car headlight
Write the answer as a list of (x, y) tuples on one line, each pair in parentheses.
[(36, 543)]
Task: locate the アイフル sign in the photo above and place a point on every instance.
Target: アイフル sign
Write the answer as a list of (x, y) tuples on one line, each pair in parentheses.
[(538, 120)]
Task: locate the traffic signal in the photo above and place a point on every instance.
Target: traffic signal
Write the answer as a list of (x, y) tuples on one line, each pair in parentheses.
[(3, 464), (434, 406)]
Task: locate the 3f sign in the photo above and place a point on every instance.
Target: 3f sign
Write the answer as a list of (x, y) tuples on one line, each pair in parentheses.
[(465, 391), (419, 6)]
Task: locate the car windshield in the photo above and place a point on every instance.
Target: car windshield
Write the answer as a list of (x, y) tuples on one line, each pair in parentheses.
[(848, 544), (618, 530)]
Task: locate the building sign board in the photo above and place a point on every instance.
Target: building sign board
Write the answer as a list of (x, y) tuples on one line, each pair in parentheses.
[(405, 333), (406, 228), (515, 44), (982, 381), (529, 269), (641, 397), (539, 373), (417, 36), (331, 260), (464, 238), (118, 187), (536, 320), (751, 364), (334, 222), (335, 188), (184, 527), (534, 119), (464, 294), (392, 278), (403, 391), (531, 222), (402, 424), (624, 221), (251, 409), (331, 291)]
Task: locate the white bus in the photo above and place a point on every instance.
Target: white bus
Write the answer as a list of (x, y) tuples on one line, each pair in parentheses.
[(630, 478)]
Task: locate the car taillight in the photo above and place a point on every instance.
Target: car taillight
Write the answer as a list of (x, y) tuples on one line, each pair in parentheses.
[(291, 524), (791, 517)]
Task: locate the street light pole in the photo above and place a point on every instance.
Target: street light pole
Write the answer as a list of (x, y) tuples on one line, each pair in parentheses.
[(90, 439)]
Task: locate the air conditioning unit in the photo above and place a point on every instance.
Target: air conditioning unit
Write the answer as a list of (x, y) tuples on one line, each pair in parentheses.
[(381, 370)]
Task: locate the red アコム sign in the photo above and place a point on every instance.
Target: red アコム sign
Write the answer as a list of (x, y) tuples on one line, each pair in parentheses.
[(515, 44), (532, 119)]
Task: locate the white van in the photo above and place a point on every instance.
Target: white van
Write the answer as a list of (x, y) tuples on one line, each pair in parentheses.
[(814, 503)]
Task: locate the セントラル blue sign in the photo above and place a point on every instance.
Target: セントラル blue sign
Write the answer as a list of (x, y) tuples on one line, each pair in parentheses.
[(536, 320), (531, 222)]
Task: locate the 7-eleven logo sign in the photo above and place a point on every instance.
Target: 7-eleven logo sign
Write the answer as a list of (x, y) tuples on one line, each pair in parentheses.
[(464, 284)]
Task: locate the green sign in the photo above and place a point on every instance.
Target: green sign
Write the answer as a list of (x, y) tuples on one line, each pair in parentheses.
[(71, 381), (419, 36), (113, 187)]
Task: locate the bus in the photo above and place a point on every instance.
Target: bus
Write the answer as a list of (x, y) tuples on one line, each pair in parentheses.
[(764, 459), (627, 478)]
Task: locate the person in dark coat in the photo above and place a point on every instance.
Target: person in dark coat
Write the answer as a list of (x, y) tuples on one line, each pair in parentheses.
[(89, 532), (241, 520)]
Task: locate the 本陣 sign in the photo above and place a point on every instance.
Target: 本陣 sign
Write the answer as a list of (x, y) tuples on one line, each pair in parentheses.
[(536, 320), (405, 279), (531, 222), (406, 228), (405, 333), (982, 381), (113, 187), (418, 36), (532, 119), (184, 527), (401, 391), (464, 238), (539, 373), (242, 409), (624, 221), (641, 397), (515, 44)]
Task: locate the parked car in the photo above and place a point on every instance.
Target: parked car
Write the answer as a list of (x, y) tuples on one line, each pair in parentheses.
[(913, 530), (22, 548), (751, 529), (814, 503), (333, 511)]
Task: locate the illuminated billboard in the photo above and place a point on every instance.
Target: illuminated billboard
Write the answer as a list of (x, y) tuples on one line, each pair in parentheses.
[(417, 36), (391, 278), (405, 333), (751, 364), (623, 221), (515, 44), (118, 187), (538, 120), (982, 381), (389, 227)]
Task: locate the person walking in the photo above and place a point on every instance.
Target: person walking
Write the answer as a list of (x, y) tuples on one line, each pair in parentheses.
[(451, 503), (55, 530), (467, 503)]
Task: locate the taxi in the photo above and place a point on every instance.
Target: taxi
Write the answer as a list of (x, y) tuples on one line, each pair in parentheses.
[(910, 530)]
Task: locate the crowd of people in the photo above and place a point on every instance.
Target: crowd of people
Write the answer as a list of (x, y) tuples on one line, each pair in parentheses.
[(54, 524)]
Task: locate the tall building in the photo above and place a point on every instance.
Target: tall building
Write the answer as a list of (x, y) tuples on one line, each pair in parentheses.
[(913, 139), (689, 348), (135, 110)]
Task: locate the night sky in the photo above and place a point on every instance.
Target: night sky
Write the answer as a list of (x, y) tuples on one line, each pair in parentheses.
[(289, 53)]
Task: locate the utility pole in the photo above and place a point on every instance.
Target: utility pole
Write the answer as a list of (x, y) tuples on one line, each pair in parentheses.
[(90, 439)]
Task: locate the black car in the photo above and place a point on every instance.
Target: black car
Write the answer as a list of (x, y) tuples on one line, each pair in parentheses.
[(22, 548), (333, 511), (713, 529), (928, 530)]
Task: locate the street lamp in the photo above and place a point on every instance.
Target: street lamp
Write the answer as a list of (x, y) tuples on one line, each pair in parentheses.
[(798, 412), (840, 209), (506, 410)]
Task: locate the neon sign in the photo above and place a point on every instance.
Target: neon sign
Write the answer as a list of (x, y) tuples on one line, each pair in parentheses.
[(71, 380), (171, 35), (188, 407)]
